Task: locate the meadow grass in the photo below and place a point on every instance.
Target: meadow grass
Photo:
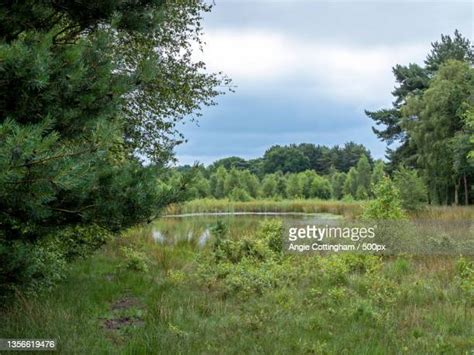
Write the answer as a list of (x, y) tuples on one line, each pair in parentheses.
[(184, 301), (347, 209)]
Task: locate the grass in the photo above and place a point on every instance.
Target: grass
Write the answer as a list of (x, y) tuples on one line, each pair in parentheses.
[(187, 302), (347, 209)]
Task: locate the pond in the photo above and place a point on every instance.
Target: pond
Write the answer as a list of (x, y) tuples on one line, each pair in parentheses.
[(195, 229)]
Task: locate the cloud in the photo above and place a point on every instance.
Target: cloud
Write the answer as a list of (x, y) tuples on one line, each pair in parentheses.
[(258, 58)]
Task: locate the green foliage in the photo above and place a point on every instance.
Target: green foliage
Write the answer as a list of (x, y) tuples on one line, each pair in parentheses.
[(285, 304), (78, 241), (361, 193), (351, 183), (294, 188), (465, 275), (438, 132), (269, 186), (285, 160), (387, 204), (84, 93), (249, 265), (134, 260), (377, 174), (239, 194), (469, 118), (412, 189), (320, 188), (337, 181), (364, 172), (427, 119), (29, 267), (32, 267)]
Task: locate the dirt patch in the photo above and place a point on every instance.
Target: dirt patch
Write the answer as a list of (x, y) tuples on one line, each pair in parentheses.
[(125, 312), (126, 303), (122, 322)]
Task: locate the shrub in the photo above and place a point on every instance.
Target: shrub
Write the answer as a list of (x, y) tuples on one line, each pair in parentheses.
[(29, 267), (79, 241), (271, 232), (387, 203), (34, 266), (134, 260)]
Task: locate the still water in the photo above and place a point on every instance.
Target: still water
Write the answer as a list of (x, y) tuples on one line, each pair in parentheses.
[(195, 229)]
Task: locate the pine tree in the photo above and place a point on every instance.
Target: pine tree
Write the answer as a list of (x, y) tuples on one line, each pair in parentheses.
[(86, 88)]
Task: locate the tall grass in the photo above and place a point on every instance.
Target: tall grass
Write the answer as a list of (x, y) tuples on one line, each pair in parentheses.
[(347, 209), (446, 213), (317, 305)]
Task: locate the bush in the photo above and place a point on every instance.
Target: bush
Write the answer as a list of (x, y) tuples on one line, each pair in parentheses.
[(387, 203), (248, 265), (33, 266), (134, 260), (79, 241), (29, 267)]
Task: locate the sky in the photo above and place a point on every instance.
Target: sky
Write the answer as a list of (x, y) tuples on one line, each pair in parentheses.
[(305, 70)]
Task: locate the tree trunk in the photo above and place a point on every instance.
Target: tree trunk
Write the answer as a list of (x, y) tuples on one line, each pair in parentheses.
[(456, 192), (466, 192)]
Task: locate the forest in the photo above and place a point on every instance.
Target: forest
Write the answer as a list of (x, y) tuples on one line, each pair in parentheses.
[(109, 245)]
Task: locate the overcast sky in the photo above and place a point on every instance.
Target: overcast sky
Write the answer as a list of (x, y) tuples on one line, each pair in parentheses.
[(305, 70)]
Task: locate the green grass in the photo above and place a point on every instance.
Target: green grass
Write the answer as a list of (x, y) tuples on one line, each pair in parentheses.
[(188, 303), (347, 209)]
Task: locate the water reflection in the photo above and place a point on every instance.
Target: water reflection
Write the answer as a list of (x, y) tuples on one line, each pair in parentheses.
[(195, 229)]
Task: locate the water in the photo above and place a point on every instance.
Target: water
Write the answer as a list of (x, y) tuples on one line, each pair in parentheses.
[(195, 229)]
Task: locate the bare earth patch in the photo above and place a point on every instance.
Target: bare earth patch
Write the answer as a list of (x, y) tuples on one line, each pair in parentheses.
[(121, 317)]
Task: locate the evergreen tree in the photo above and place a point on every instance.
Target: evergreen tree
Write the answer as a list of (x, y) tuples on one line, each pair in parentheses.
[(85, 89), (413, 80)]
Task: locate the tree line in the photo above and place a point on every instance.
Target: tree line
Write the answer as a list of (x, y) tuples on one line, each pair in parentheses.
[(223, 179), (431, 120)]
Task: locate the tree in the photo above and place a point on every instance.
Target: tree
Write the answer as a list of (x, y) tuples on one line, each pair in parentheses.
[(85, 89), (337, 181), (412, 81), (412, 189), (350, 155), (437, 127), (377, 174), (284, 159), (250, 183), (229, 163), (232, 181), (269, 186), (218, 181), (351, 183), (293, 187), (363, 176), (321, 188), (306, 182)]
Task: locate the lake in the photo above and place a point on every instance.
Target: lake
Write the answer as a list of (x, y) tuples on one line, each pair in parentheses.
[(195, 229)]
